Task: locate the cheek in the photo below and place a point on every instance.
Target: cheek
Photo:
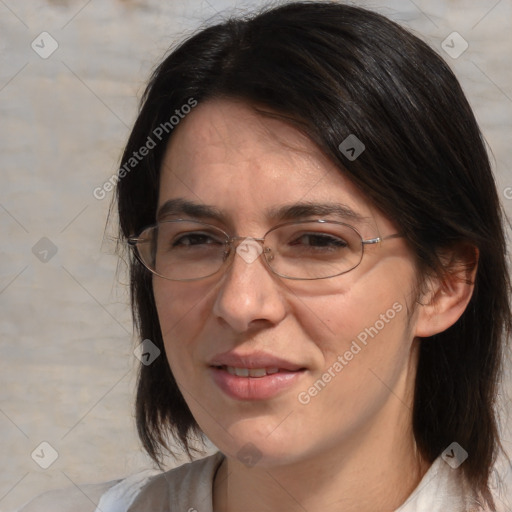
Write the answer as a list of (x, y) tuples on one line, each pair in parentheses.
[(362, 336), (364, 355), (178, 305), (353, 308), (181, 313)]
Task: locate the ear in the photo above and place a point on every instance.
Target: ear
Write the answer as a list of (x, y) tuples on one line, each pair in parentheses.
[(445, 298)]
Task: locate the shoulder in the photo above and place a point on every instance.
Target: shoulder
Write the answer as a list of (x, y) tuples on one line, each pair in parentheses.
[(186, 487), (443, 488), (146, 490), (74, 499)]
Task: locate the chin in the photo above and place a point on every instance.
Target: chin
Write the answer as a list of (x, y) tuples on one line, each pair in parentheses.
[(264, 451)]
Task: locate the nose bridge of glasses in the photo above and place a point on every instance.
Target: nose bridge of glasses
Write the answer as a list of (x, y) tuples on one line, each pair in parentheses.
[(244, 242), (247, 247), (237, 240)]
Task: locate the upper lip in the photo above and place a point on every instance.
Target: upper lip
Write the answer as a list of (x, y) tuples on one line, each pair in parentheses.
[(253, 360)]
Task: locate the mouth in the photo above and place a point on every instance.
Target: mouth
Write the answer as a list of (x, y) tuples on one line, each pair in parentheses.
[(253, 372), (251, 384)]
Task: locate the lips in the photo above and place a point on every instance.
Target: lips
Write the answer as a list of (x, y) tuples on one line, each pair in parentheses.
[(254, 376), (253, 360)]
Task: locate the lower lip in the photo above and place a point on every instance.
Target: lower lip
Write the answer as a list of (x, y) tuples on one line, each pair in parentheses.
[(254, 388)]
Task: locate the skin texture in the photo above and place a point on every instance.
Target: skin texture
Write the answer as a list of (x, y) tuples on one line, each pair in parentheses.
[(351, 446)]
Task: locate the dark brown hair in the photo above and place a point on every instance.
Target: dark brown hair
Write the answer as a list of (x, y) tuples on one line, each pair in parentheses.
[(338, 70)]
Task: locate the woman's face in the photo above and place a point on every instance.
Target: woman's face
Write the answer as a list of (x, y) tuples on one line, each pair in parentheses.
[(344, 346)]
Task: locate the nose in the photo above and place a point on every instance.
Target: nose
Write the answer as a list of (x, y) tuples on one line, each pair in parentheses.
[(249, 293)]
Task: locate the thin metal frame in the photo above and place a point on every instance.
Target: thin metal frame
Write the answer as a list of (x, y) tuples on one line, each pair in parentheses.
[(232, 242)]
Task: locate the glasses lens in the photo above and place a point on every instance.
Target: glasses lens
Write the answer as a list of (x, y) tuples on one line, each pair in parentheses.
[(182, 250), (314, 250)]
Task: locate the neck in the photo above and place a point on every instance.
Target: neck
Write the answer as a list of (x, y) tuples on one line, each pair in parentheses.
[(371, 481)]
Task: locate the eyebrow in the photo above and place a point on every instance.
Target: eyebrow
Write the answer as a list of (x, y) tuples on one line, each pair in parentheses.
[(287, 212)]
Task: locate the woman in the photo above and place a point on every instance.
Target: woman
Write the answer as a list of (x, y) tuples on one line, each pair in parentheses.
[(318, 272)]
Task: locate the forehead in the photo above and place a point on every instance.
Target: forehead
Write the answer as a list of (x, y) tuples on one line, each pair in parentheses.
[(221, 133), (226, 154)]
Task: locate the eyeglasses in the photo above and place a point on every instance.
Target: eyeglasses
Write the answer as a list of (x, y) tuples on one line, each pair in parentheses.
[(187, 250)]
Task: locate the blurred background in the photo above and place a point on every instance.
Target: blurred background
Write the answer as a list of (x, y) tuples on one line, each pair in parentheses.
[(71, 74)]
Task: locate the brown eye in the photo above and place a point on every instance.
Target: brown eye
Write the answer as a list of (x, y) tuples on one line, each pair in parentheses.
[(320, 240), (194, 239)]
